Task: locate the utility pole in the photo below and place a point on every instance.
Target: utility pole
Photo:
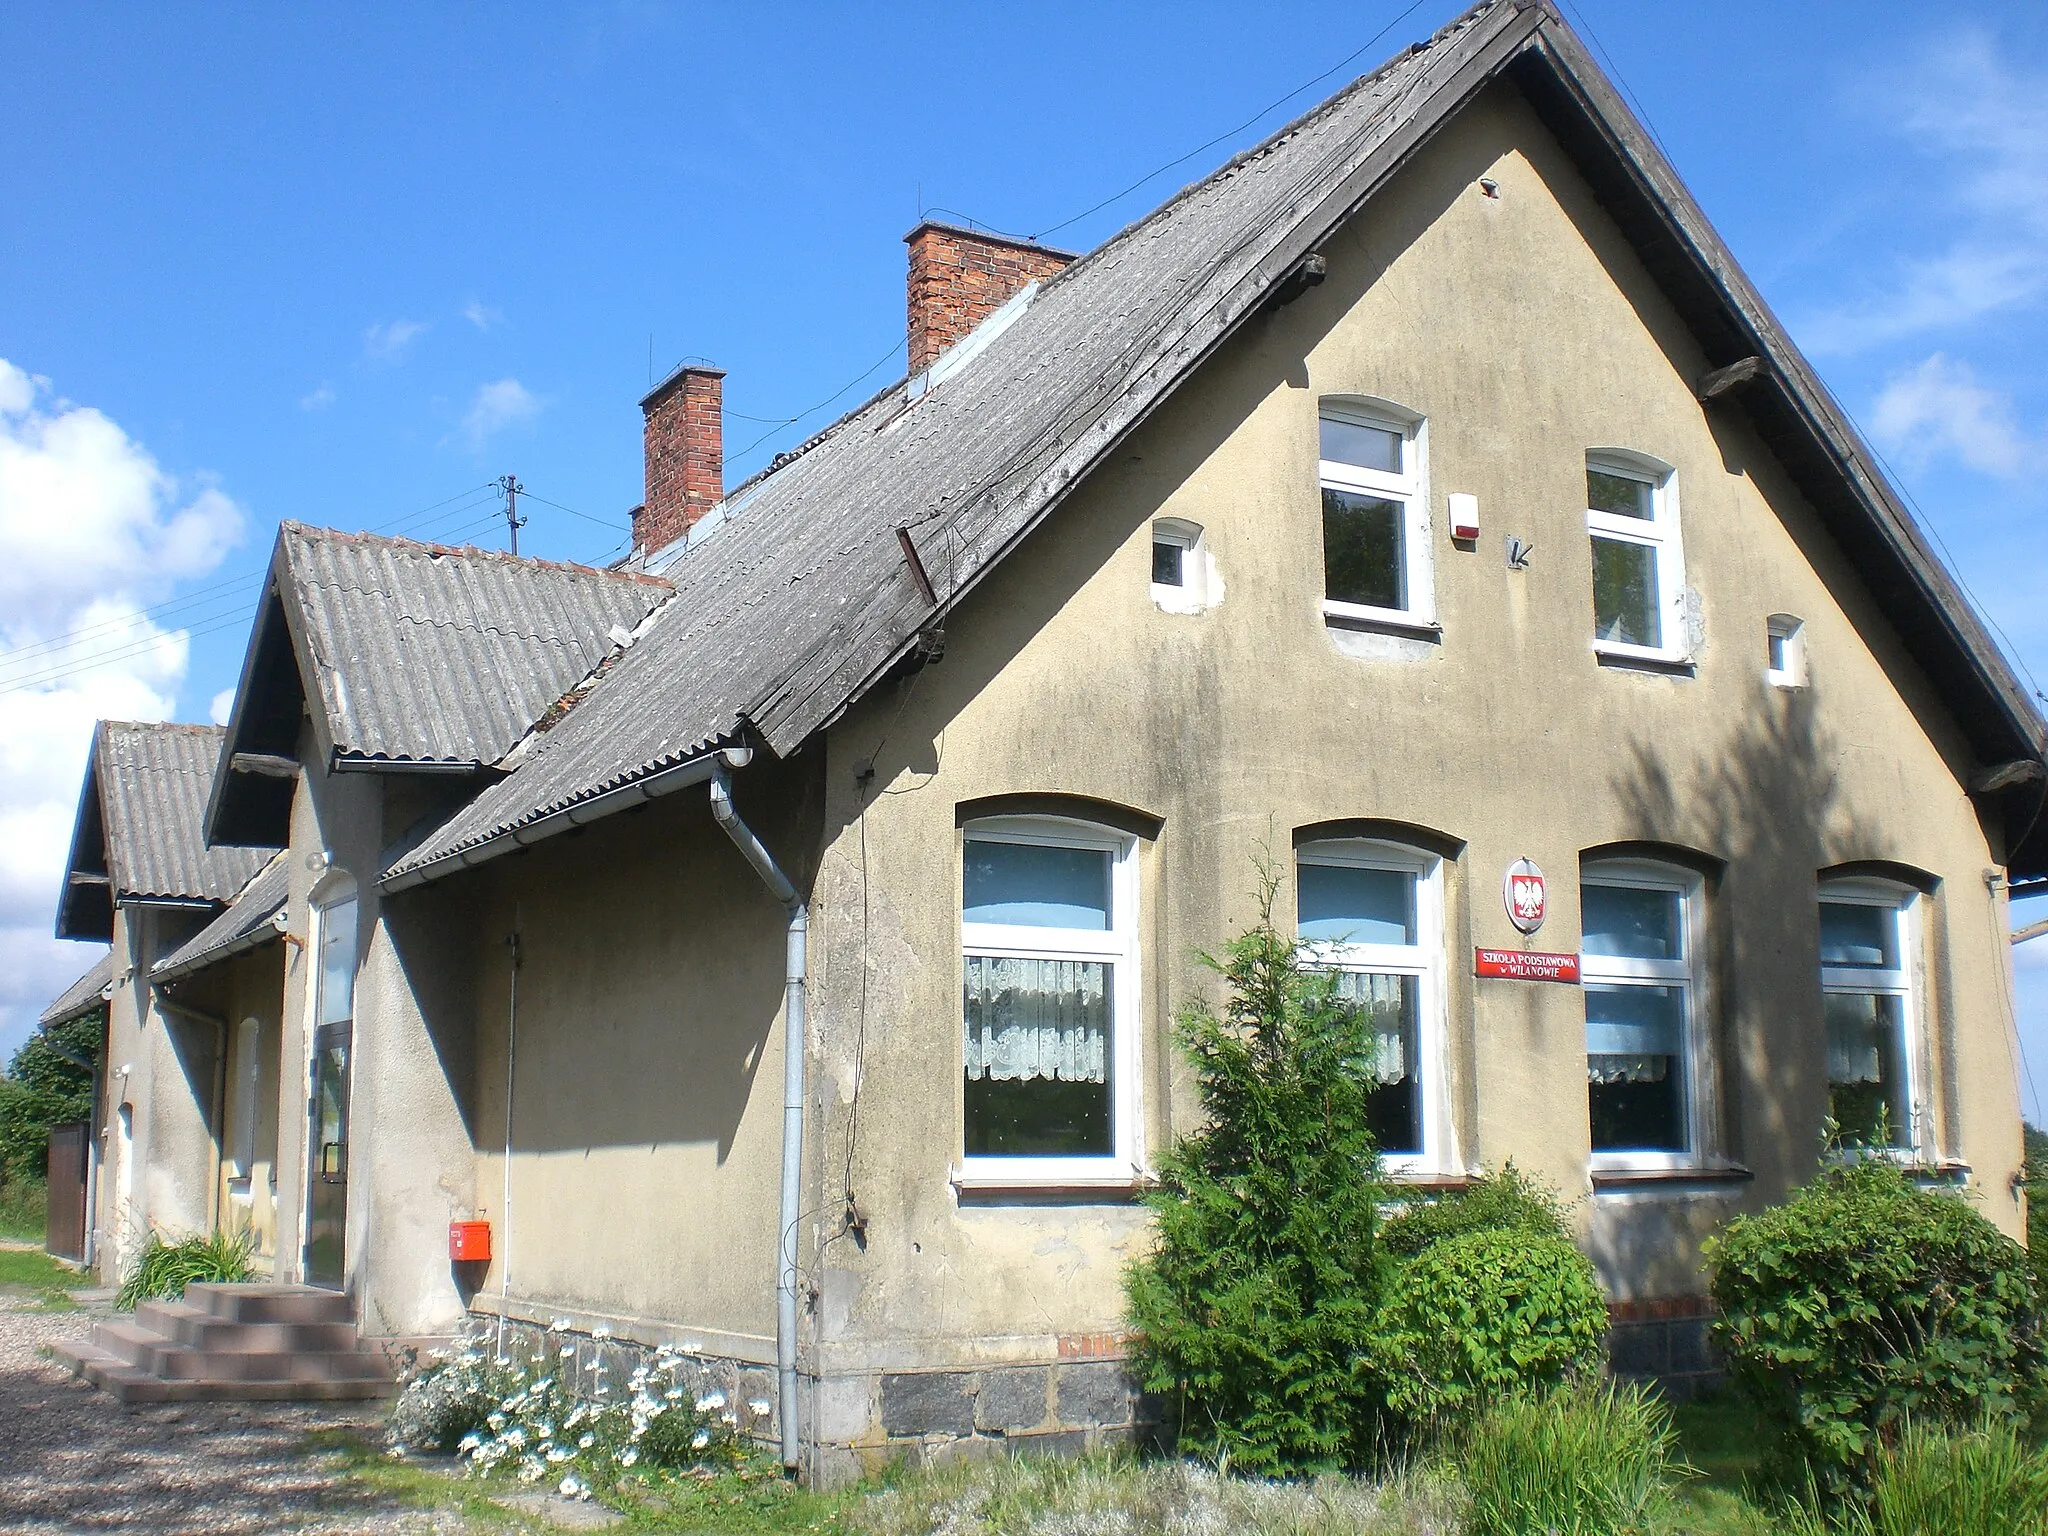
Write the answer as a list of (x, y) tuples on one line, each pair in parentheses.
[(511, 487)]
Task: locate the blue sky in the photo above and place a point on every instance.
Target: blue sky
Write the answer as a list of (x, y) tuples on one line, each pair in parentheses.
[(346, 264)]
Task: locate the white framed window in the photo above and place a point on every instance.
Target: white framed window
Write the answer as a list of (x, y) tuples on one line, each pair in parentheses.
[(1646, 1061), (1184, 578), (1373, 913), (1376, 548), (1049, 1004), (1638, 559), (1784, 651), (1868, 936)]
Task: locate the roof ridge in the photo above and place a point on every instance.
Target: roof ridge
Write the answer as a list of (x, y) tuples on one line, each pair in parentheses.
[(196, 727), (315, 533)]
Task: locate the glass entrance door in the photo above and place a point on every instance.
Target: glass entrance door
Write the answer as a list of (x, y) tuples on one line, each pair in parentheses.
[(327, 1200)]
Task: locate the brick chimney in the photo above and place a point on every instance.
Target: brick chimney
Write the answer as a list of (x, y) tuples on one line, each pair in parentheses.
[(685, 440), (958, 278)]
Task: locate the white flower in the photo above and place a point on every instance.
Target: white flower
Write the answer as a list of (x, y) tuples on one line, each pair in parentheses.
[(699, 1440), (601, 1331), (586, 1442), (710, 1400), (470, 1441), (571, 1488), (516, 1436), (629, 1455), (556, 1455), (559, 1325), (760, 1406), (567, 1352)]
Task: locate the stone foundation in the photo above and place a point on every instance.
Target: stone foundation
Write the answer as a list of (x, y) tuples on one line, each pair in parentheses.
[(1666, 1341)]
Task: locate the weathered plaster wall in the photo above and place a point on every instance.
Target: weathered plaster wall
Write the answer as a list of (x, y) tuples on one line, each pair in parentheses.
[(1527, 333), (247, 986), (646, 1070)]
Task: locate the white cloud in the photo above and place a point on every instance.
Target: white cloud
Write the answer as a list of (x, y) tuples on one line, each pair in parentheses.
[(500, 404), (1985, 125), (319, 399), (94, 531), (1940, 408), (482, 316), (222, 706), (388, 341)]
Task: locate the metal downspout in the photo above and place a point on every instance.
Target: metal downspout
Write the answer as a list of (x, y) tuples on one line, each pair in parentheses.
[(793, 1037)]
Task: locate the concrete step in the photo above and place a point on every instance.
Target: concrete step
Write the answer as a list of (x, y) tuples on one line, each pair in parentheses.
[(183, 1323), (155, 1355), (271, 1303), (126, 1384)]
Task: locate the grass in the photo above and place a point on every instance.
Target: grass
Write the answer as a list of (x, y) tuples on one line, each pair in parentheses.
[(24, 1269), (24, 1209)]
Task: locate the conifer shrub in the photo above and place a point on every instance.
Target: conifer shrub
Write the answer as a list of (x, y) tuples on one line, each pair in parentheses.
[(1254, 1308), (1482, 1315), (1865, 1303), (1507, 1201)]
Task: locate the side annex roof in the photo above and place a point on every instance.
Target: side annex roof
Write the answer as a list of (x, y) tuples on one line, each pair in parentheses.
[(245, 924), (805, 597), (411, 655), (82, 996)]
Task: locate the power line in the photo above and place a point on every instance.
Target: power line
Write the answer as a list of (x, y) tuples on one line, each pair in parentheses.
[(601, 522), (1051, 229), (790, 421)]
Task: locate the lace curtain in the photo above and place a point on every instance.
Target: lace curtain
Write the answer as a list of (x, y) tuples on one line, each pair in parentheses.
[(1037, 1019), (1633, 1034), (1388, 1003), (1856, 1031)]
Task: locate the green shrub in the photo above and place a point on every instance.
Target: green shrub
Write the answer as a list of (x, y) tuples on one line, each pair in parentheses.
[(42, 1089), (1253, 1309), (1864, 1302), (1590, 1460), (2036, 1170), (24, 1208), (1508, 1201), (1482, 1316), (1935, 1482), (163, 1270)]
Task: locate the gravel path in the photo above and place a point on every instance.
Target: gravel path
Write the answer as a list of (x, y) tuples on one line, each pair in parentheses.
[(72, 1459)]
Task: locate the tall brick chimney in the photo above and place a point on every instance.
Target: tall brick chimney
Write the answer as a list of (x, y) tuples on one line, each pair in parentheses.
[(685, 439), (959, 277)]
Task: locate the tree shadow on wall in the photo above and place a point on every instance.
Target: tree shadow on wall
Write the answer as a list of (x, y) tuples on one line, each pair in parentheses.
[(1766, 809)]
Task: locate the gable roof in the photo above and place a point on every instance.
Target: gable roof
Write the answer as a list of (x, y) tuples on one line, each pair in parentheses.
[(244, 925), (414, 655), (138, 833), (82, 996), (804, 597)]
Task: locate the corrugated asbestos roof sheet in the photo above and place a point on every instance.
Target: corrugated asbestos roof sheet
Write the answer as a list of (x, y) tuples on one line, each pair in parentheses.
[(153, 781), (430, 654), (805, 593), (247, 919), (82, 995)]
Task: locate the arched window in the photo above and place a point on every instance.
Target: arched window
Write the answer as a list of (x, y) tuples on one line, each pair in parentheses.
[(1376, 544), (1373, 913), (1868, 936), (1049, 1002), (1645, 1058)]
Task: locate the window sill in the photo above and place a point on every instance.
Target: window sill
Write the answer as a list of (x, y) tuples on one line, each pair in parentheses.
[(995, 1187), (1629, 658), (1380, 621), (1606, 1180), (1419, 1183)]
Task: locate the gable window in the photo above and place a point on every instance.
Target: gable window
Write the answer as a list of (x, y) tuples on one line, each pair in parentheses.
[(1049, 1002), (1376, 562), (1183, 573), (1867, 1001), (1638, 964), (1785, 651), (1638, 563), (1373, 913)]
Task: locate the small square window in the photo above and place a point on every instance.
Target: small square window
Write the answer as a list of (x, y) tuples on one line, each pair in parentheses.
[(1785, 638), (1183, 574)]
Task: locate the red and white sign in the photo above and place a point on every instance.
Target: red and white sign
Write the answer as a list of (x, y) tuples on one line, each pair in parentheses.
[(1525, 965), (1525, 895)]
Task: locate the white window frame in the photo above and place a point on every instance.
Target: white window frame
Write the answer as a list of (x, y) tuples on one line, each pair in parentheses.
[(1659, 532), (1118, 948), (330, 891), (1410, 488), (1791, 630), (1905, 983), (1199, 589), (1686, 973), (1424, 960)]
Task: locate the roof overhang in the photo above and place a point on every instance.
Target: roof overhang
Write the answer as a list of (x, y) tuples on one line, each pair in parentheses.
[(85, 906)]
